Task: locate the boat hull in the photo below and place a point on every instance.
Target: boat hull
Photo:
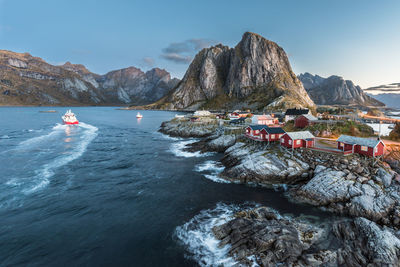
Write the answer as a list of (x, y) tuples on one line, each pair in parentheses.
[(71, 123)]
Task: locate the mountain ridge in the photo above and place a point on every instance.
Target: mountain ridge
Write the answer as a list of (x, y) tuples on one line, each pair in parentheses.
[(335, 90), (29, 80)]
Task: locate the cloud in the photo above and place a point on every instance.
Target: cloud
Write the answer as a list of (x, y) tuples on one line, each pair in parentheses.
[(183, 52), (177, 58), (148, 62)]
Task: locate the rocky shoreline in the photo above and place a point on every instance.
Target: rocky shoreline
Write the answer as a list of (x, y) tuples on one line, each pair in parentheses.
[(367, 192), (261, 236)]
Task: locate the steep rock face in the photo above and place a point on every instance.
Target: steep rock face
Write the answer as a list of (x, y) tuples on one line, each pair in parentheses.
[(255, 74), (132, 85), (334, 90), (28, 80)]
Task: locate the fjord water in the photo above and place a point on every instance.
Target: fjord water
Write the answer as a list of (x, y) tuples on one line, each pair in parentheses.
[(111, 191)]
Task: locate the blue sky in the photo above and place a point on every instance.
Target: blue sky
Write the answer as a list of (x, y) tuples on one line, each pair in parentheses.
[(359, 40)]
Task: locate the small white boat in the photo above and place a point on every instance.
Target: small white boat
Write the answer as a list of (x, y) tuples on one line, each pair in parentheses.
[(139, 116), (179, 116)]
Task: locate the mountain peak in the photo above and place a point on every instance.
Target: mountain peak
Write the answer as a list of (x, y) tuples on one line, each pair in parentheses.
[(253, 74), (335, 90)]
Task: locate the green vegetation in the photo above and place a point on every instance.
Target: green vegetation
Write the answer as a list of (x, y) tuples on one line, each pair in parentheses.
[(395, 134), (330, 110), (375, 112)]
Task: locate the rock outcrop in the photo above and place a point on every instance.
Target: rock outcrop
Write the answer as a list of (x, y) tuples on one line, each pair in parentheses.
[(185, 128), (334, 90), (262, 237), (246, 164), (28, 80), (255, 74)]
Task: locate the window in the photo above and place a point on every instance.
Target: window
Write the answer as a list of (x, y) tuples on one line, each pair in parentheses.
[(282, 140), (298, 142), (364, 148), (340, 144), (272, 136), (290, 141), (257, 131)]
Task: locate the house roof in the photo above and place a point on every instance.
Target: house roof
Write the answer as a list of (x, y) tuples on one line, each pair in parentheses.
[(300, 135), (295, 111), (310, 117), (257, 127), (237, 120), (270, 130), (352, 140), (274, 130)]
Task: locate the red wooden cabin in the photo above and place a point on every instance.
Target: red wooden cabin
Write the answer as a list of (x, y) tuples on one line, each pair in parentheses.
[(298, 139), (304, 120), (264, 133), (370, 147)]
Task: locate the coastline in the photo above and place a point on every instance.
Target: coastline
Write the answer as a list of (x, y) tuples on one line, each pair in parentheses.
[(364, 195)]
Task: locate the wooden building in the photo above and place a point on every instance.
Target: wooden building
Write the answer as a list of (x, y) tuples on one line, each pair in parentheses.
[(298, 139), (371, 147)]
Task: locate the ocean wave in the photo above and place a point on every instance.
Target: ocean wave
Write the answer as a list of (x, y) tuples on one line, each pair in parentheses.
[(167, 137), (196, 235), (47, 171), (178, 150), (199, 241), (211, 170)]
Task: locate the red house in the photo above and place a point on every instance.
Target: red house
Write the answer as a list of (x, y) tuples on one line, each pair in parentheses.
[(371, 147), (304, 120), (264, 133), (298, 139)]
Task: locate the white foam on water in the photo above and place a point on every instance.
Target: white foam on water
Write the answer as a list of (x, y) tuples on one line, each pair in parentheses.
[(47, 171), (178, 149), (211, 170), (196, 235), (4, 137), (167, 137), (57, 129)]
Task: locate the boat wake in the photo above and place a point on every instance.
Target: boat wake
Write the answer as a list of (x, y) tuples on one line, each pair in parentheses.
[(197, 237), (47, 153), (211, 170), (75, 152), (178, 149)]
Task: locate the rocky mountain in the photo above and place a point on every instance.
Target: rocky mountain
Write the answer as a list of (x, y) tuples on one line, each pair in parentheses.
[(388, 94), (334, 90), (28, 80), (131, 85), (255, 74)]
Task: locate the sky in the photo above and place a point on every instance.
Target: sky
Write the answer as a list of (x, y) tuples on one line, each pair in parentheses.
[(358, 40)]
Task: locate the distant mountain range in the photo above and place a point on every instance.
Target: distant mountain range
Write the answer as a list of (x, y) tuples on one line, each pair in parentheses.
[(388, 94), (255, 74), (334, 90), (28, 80)]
